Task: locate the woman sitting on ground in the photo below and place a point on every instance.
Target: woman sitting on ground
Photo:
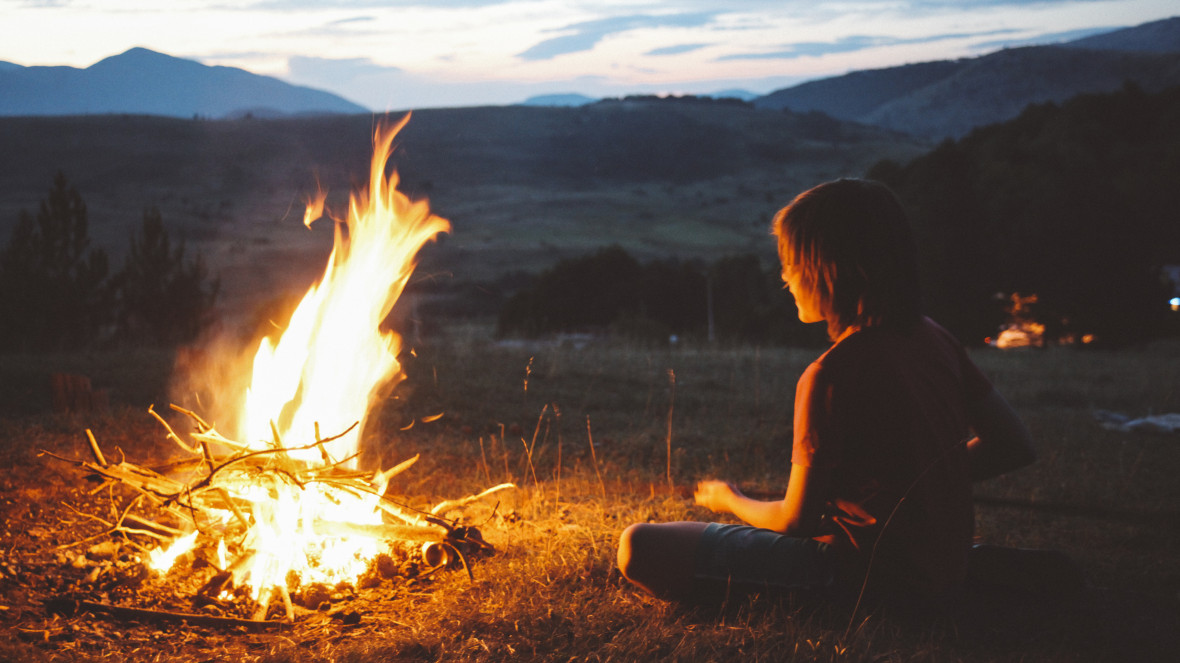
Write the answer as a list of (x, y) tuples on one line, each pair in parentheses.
[(891, 425)]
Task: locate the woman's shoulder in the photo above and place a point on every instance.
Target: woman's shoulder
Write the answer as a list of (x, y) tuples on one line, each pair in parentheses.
[(889, 344)]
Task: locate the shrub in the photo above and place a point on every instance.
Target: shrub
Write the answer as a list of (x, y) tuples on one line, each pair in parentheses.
[(54, 289)]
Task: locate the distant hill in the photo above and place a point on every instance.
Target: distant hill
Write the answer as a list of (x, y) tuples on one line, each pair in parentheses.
[(574, 100), (144, 82), (744, 95), (1155, 37), (571, 99), (523, 186), (1074, 202), (949, 98)]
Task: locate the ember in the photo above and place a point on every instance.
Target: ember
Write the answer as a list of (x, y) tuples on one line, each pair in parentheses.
[(271, 516)]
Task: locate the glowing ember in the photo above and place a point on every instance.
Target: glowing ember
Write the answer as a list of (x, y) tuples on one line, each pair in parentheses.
[(162, 560)]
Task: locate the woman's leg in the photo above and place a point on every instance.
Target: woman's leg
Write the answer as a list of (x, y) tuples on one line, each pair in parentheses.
[(661, 557)]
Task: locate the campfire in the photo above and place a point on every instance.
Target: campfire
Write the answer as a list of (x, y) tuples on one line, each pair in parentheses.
[(279, 506)]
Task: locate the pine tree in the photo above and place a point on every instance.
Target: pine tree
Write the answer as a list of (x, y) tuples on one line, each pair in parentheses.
[(54, 289), (162, 297)]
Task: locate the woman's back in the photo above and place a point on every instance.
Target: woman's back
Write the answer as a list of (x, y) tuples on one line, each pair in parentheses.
[(885, 410)]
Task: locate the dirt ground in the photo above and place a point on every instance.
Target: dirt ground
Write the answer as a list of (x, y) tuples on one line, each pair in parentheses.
[(72, 590)]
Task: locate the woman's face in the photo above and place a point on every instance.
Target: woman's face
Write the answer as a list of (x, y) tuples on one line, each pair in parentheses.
[(806, 296)]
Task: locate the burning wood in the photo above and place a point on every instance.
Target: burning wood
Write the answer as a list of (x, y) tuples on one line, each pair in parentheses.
[(271, 518), (224, 511)]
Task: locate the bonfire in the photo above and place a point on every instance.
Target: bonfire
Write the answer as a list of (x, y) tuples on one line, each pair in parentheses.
[(279, 506)]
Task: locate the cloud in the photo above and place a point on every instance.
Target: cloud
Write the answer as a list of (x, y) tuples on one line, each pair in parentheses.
[(355, 19), (973, 4), (676, 50), (1043, 38), (588, 33), (381, 88), (301, 5), (850, 44), (336, 70)]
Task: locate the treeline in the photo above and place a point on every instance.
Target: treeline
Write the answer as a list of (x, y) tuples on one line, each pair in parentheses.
[(1077, 203), (735, 299), (57, 292)]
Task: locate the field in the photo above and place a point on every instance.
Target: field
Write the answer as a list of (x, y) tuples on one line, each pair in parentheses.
[(550, 592), (595, 433), (522, 186)]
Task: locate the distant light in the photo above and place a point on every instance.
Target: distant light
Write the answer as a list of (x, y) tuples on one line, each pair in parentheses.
[(1175, 302)]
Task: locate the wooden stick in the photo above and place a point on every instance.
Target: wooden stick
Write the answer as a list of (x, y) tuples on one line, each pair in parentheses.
[(420, 534), (443, 507), (384, 477), (287, 602), (151, 524), (233, 507), (263, 604), (95, 450), (202, 426), (162, 616), (171, 433)]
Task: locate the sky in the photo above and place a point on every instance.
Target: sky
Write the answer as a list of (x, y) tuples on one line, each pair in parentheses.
[(402, 54)]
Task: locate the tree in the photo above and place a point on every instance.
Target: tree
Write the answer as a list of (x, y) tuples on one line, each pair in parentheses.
[(610, 290), (54, 289), (162, 297), (1073, 202)]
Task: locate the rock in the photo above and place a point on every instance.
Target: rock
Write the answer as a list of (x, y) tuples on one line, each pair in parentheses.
[(106, 550)]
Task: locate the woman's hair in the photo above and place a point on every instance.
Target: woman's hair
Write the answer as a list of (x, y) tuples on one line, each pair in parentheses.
[(854, 245)]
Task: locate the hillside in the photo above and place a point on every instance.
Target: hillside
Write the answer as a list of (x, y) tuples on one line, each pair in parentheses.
[(141, 82), (1155, 37), (942, 99), (523, 186), (1072, 202)]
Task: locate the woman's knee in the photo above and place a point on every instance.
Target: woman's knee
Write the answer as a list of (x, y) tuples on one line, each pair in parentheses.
[(627, 549), (659, 556)]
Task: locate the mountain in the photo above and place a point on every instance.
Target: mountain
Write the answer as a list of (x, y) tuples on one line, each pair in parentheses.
[(144, 82), (744, 95), (949, 98), (574, 100), (570, 99), (1155, 37)]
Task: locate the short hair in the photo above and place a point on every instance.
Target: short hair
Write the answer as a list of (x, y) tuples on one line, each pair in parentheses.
[(853, 242)]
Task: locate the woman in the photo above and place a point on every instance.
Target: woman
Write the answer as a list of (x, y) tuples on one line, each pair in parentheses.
[(891, 425)]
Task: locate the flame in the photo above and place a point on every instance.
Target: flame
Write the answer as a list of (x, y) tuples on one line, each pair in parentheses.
[(333, 359), (162, 559), (315, 206), (321, 375)]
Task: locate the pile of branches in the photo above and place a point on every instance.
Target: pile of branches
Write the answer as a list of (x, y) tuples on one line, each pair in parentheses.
[(190, 490)]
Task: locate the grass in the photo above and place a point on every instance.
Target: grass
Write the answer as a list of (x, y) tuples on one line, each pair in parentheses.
[(518, 197), (551, 592)]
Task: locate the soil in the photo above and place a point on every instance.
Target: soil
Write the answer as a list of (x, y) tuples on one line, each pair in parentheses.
[(70, 589)]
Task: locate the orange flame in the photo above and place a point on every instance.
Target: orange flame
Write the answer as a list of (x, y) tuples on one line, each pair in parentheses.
[(323, 373), (333, 358)]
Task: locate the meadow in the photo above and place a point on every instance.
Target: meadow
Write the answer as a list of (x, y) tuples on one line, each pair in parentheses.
[(522, 187), (597, 434)]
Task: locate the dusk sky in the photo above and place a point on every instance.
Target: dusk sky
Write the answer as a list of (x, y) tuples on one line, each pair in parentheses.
[(402, 54)]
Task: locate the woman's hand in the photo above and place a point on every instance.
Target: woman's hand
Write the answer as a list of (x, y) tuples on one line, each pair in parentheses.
[(716, 496), (797, 514)]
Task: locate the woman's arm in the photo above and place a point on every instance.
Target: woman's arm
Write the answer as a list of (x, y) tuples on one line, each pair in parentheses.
[(1002, 441), (797, 514)]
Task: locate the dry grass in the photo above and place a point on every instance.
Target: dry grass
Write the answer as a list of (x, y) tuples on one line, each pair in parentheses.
[(551, 592)]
